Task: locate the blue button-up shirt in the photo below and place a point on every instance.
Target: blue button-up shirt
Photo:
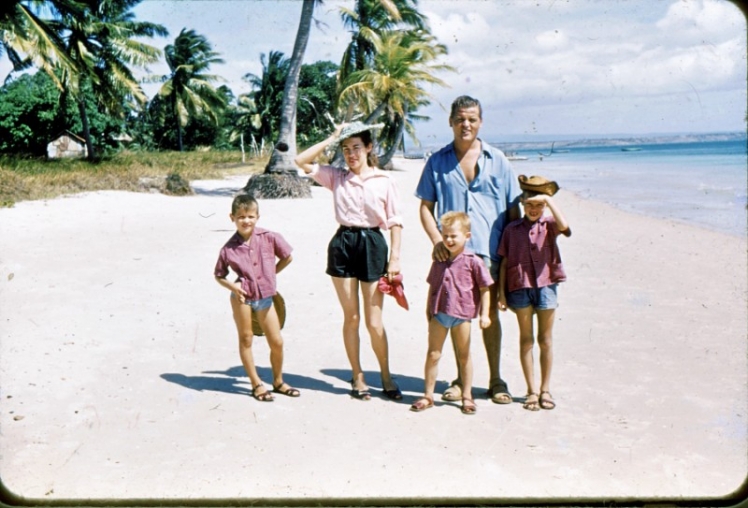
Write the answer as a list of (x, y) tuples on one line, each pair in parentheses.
[(486, 199)]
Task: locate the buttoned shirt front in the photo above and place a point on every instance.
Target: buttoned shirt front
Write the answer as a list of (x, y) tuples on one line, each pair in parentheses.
[(253, 262), (531, 253), (486, 199), (361, 202), (454, 286)]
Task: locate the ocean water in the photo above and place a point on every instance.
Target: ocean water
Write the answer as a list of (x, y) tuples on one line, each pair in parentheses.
[(701, 183)]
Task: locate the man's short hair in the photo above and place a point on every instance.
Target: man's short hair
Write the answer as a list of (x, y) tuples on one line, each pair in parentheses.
[(463, 102)]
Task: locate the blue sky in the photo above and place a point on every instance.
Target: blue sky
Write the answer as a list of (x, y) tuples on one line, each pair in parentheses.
[(541, 68)]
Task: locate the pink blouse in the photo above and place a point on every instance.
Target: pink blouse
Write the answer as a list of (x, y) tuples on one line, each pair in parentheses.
[(364, 203)]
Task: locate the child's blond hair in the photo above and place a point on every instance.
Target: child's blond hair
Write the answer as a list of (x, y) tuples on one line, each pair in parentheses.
[(461, 219)]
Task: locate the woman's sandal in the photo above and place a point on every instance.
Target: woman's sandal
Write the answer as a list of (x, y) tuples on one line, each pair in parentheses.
[(422, 404), (364, 394), (263, 396), (531, 405), (468, 406), (286, 389), (547, 402), (394, 393)]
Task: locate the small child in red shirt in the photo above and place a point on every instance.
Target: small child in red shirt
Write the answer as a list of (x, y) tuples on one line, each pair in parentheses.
[(251, 253), (458, 292), (529, 273)]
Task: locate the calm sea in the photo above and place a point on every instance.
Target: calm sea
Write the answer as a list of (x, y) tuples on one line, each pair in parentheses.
[(702, 183)]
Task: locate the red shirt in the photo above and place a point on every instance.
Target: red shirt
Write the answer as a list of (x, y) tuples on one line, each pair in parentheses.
[(531, 253), (454, 286), (253, 262)]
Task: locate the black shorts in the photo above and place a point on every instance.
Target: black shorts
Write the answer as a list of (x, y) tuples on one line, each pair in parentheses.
[(359, 253)]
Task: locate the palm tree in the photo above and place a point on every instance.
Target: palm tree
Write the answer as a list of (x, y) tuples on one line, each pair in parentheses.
[(188, 89), (368, 21), (281, 161), (101, 42), (267, 92), (393, 86), (29, 40)]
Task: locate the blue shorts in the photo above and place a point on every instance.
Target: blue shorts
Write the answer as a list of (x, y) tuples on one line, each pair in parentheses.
[(256, 305), (448, 321), (545, 298)]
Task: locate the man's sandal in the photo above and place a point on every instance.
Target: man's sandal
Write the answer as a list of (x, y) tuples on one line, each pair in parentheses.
[(422, 404), (499, 393), (454, 392), (531, 402), (468, 406), (547, 402), (285, 389), (264, 395)]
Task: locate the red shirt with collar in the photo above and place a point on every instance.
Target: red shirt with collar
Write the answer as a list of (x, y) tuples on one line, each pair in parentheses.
[(532, 256), (454, 286), (253, 261)]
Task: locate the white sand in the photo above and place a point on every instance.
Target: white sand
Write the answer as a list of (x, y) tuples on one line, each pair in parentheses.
[(120, 374)]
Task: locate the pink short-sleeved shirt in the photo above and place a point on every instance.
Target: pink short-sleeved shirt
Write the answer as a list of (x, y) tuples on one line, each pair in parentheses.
[(365, 203), (532, 256), (254, 263), (454, 286)]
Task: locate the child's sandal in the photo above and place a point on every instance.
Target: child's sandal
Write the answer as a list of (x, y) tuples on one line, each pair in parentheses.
[(263, 396), (531, 405), (468, 406), (547, 402)]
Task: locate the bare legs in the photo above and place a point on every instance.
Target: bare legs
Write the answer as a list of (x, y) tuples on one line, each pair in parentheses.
[(347, 290), (268, 319), (461, 342), (545, 343)]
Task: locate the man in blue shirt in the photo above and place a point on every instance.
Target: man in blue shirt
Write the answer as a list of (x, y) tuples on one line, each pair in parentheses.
[(471, 176)]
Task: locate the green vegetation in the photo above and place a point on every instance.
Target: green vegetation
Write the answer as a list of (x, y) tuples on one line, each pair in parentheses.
[(87, 51), (23, 179)]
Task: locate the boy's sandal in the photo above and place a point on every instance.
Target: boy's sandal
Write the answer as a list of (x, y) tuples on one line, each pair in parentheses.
[(531, 405), (285, 389), (468, 406), (547, 402), (454, 392), (422, 404), (364, 394), (264, 395)]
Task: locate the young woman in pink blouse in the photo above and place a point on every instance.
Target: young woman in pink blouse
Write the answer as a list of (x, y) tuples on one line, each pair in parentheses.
[(366, 201)]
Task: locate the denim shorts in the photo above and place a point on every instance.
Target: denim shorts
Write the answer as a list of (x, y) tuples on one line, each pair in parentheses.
[(544, 298), (448, 321), (256, 305)]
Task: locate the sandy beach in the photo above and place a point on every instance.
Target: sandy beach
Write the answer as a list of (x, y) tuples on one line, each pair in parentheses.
[(120, 376)]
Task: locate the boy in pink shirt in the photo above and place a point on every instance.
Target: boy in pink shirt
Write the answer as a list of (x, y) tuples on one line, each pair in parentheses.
[(251, 255), (458, 291), (529, 273)]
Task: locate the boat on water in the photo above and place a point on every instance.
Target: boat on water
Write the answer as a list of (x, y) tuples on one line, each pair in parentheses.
[(630, 149), (512, 156)]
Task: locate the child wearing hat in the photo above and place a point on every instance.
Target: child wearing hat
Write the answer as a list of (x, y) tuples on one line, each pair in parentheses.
[(251, 253), (529, 273)]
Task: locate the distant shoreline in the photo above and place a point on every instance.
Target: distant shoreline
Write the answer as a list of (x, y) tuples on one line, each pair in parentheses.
[(611, 141)]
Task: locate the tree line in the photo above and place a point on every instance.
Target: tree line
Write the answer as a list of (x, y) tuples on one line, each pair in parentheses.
[(88, 52)]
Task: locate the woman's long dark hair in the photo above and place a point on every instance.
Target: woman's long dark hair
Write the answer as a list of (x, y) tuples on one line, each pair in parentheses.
[(371, 158)]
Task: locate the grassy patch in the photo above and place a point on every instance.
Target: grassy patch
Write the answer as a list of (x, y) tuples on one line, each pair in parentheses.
[(23, 179)]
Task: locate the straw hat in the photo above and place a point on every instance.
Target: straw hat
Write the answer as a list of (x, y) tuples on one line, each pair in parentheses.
[(538, 184), (280, 308), (350, 130)]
